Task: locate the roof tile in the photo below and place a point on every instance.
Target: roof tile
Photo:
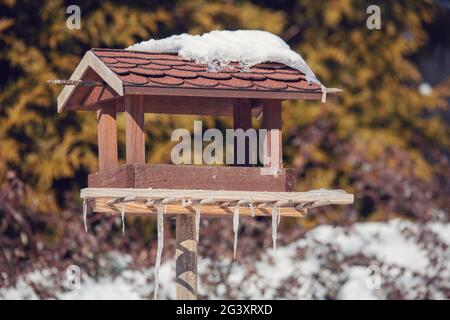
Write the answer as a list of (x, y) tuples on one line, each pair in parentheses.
[(183, 74), (167, 80), (110, 60), (271, 84), (168, 62), (284, 76), (270, 66), (289, 71), (134, 79), (304, 85), (148, 72), (134, 60), (155, 67), (162, 56), (215, 75), (203, 82), (120, 70), (249, 76), (191, 68), (124, 65), (236, 83)]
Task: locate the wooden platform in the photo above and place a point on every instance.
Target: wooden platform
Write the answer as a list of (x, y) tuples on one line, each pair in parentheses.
[(164, 176), (211, 202)]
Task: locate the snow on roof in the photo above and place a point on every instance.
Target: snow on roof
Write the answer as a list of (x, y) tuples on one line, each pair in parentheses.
[(219, 48)]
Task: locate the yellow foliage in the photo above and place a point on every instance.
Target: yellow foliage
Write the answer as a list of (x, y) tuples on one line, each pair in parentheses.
[(380, 107)]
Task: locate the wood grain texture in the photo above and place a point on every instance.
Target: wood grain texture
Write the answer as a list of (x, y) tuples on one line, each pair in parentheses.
[(186, 258), (107, 137), (134, 128), (138, 208), (193, 177), (272, 122), (242, 119), (99, 94)]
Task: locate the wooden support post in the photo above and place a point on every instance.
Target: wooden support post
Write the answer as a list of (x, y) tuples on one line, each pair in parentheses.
[(272, 122), (186, 257), (107, 137), (134, 128), (242, 119)]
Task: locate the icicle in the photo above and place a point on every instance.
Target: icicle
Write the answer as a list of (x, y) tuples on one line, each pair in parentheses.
[(197, 222), (161, 210), (235, 229), (279, 215), (275, 215), (252, 209), (85, 214), (122, 214)]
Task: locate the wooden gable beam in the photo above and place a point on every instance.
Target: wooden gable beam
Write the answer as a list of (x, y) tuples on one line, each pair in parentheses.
[(89, 61)]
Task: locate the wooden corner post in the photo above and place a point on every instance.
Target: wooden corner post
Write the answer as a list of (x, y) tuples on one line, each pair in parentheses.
[(107, 137), (186, 257), (134, 129)]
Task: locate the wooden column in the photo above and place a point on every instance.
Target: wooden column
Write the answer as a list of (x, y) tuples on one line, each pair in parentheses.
[(272, 122), (107, 137), (134, 128), (186, 257), (242, 119)]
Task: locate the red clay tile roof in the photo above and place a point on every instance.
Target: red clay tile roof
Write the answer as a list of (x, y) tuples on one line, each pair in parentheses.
[(169, 70)]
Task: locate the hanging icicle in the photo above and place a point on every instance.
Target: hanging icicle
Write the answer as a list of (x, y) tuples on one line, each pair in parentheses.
[(197, 222), (235, 229), (252, 209), (279, 215), (122, 214), (85, 213), (275, 219), (160, 225)]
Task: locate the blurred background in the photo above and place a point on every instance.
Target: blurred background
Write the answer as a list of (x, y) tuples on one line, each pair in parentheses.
[(386, 139)]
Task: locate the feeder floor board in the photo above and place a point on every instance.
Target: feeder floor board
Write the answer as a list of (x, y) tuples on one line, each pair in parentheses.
[(212, 202)]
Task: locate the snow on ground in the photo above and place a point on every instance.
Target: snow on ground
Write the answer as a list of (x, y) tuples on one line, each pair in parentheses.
[(218, 48), (387, 244)]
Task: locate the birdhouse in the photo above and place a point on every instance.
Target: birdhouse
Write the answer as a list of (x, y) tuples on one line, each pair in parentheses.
[(109, 81)]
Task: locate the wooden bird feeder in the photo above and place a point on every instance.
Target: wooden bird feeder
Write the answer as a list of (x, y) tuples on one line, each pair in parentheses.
[(110, 81)]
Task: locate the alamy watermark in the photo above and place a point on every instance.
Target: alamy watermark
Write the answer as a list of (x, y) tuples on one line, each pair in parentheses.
[(74, 19), (248, 147), (374, 20), (373, 281), (72, 280)]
